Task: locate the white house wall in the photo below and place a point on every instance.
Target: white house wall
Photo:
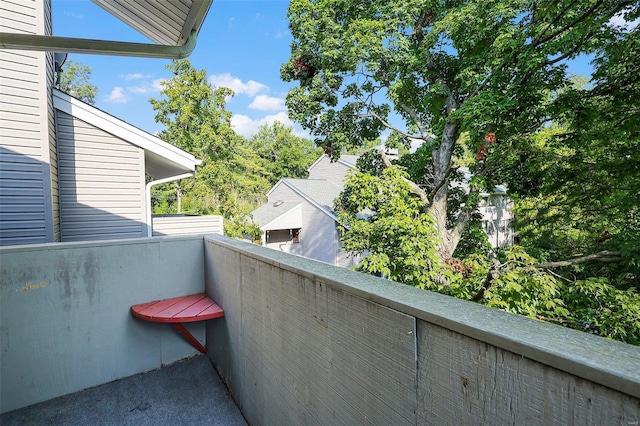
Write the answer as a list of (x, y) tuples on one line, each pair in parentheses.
[(318, 233), (185, 225), (28, 208), (497, 218), (101, 183)]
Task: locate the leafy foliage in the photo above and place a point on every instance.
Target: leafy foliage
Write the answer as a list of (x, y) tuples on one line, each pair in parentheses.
[(380, 219), (230, 181), (487, 70), (487, 78), (579, 180), (285, 154), (75, 80)]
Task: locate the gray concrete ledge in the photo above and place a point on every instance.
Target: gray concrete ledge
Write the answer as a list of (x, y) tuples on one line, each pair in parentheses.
[(604, 361), (26, 248), (185, 393)]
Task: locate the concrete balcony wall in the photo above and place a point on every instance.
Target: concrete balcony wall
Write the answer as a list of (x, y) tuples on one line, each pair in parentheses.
[(65, 323), (307, 343)]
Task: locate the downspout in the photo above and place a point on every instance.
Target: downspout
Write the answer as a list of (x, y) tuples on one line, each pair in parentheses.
[(148, 194)]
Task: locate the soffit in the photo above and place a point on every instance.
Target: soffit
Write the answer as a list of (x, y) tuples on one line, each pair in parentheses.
[(172, 25), (166, 22)]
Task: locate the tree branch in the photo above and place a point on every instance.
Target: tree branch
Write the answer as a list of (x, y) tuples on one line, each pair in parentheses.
[(576, 21), (426, 135), (415, 188), (605, 256), (492, 274), (589, 35), (557, 18), (389, 126), (442, 182)]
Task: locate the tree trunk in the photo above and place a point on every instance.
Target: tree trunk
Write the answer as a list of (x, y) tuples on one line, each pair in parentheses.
[(438, 208), (179, 196)]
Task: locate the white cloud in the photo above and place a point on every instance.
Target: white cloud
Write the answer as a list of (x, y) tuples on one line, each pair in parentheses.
[(250, 88), (73, 15), (138, 90), (135, 76), (146, 87), (247, 126), (157, 84), (619, 21), (117, 96), (267, 103)]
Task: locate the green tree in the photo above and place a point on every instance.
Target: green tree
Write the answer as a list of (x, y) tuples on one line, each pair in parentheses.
[(445, 69), (230, 179), (75, 79), (380, 219), (478, 84), (578, 180), (286, 155)]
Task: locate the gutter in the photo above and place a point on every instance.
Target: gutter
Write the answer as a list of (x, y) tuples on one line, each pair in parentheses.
[(148, 195), (99, 47)]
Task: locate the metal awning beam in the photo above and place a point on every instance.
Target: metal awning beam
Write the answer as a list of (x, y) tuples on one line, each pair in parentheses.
[(100, 47)]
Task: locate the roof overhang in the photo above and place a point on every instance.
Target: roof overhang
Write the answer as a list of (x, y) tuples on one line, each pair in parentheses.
[(162, 160), (172, 24), (288, 218)]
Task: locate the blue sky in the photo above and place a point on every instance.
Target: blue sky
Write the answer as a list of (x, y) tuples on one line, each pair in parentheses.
[(241, 45)]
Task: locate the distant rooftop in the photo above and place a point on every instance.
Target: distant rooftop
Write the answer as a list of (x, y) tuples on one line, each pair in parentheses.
[(271, 211), (319, 191)]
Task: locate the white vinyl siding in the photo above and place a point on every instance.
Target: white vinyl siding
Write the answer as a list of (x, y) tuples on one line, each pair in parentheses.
[(101, 180), (51, 127), (25, 175), (183, 225), (318, 233)]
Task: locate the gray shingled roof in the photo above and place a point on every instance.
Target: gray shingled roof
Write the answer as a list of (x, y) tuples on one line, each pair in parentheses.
[(318, 191), (270, 211), (351, 159)]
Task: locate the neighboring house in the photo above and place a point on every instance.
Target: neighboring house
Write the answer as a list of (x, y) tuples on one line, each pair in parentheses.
[(299, 216), (496, 210), (299, 219), (68, 171), (333, 171)]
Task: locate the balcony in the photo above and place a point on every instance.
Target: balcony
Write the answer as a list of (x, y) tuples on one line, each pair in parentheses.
[(301, 342)]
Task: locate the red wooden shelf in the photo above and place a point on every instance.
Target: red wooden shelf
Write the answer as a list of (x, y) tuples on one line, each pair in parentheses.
[(192, 308)]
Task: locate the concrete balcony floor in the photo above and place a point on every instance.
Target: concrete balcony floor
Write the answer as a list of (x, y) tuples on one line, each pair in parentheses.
[(188, 392)]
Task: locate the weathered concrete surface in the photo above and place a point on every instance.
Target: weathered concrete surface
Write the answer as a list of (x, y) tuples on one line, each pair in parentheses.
[(65, 323), (294, 350), (185, 393), (398, 355)]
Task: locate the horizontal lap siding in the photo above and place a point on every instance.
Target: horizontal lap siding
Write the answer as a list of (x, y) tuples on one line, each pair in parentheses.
[(25, 197), (182, 225), (51, 125), (101, 180)]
